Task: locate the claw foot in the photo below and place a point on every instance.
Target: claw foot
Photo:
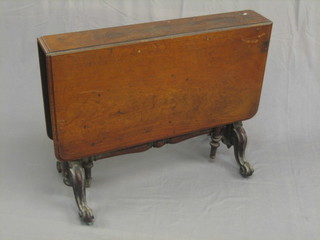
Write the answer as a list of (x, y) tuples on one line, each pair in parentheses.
[(86, 215), (246, 170)]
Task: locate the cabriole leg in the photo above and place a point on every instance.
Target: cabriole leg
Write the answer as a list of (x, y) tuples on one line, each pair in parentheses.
[(78, 175), (235, 135), (77, 180)]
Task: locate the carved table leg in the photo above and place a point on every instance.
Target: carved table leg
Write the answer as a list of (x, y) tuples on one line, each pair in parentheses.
[(235, 135), (59, 167), (216, 136), (77, 179), (78, 175), (87, 165)]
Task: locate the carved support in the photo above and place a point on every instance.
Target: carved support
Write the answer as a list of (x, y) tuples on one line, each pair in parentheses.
[(77, 179), (87, 165), (78, 175), (235, 135), (240, 144), (216, 136)]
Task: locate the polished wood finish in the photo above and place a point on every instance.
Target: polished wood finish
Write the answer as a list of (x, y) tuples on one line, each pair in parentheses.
[(111, 89)]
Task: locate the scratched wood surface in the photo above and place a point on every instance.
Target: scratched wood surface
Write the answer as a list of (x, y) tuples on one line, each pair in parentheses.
[(115, 93)]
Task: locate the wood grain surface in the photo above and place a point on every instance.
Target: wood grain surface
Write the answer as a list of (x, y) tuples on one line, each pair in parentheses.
[(105, 96), (144, 31)]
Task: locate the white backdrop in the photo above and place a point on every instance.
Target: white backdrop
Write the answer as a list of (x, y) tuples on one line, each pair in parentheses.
[(172, 192)]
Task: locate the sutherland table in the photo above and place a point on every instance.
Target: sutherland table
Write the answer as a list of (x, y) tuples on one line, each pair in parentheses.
[(126, 89)]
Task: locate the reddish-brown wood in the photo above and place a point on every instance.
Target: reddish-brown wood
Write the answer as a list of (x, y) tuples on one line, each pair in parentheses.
[(117, 88)]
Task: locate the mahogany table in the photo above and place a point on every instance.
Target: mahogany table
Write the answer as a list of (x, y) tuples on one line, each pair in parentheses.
[(126, 89)]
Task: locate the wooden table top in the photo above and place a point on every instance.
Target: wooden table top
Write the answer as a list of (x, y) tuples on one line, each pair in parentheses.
[(143, 31), (114, 88)]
